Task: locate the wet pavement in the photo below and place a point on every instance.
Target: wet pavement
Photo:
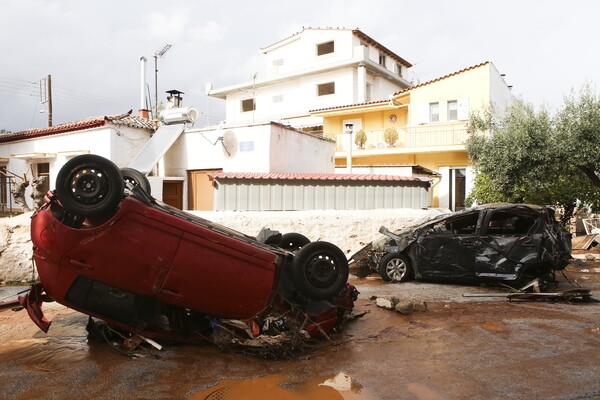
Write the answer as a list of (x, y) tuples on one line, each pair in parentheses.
[(459, 348)]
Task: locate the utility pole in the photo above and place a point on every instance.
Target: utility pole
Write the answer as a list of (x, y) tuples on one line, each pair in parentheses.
[(49, 101)]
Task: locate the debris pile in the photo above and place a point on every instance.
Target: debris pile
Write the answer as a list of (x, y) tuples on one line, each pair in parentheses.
[(406, 307)]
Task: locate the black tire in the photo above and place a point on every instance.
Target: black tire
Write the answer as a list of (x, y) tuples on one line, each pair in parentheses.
[(90, 186), (293, 241), (394, 267), (136, 178), (320, 270)]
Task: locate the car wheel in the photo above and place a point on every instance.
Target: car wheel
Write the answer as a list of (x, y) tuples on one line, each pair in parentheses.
[(320, 270), (293, 241), (394, 267), (90, 186), (136, 178)]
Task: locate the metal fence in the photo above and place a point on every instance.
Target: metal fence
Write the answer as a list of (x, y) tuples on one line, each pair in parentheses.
[(294, 195), (6, 200)]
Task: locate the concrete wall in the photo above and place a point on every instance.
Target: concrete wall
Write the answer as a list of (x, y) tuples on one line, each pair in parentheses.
[(297, 152)]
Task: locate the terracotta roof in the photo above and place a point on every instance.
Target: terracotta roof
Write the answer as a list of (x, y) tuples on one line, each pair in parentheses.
[(298, 176), (368, 103), (402, 91), (381, 47), (88, 123), (356, 32), (442, 77), (132, 121)]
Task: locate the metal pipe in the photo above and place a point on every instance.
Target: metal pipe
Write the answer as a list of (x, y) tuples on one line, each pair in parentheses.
[(143, 84)]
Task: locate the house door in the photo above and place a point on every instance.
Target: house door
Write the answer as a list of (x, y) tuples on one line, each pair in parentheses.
[(173, 193), (457, 189), (200, 190)]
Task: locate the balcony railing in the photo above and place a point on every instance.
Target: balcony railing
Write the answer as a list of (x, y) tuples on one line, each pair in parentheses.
[(413, 137)]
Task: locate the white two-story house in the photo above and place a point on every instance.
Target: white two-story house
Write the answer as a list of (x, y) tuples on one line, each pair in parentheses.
[(315, 68)]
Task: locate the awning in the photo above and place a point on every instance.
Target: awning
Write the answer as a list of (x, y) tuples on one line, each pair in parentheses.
[(32, 156), (157, 146)]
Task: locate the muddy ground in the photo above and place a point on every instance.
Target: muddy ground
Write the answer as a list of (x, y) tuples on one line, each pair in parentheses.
[(461, 348)]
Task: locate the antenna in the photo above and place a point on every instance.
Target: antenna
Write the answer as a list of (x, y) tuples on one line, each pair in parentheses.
[(158, 55)]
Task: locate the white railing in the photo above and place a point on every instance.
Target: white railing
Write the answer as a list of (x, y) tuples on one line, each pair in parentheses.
[(421, 136)]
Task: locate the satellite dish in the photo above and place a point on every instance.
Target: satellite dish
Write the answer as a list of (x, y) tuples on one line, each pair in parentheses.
[(230, 144)]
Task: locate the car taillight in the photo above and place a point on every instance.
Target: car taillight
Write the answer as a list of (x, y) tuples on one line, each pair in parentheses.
[(47, 237)]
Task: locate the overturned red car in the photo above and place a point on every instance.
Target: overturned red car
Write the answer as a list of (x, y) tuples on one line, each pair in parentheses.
[(105, 247)]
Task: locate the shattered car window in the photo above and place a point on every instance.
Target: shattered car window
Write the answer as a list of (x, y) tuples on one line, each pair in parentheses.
[(465, 224), (510, 223)]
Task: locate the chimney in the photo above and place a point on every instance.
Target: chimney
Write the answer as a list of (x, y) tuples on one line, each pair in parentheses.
[(143, 111), (174, 99)]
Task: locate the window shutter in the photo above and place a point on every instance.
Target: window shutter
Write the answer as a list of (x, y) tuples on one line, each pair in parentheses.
[(462, 111), (423, 113)]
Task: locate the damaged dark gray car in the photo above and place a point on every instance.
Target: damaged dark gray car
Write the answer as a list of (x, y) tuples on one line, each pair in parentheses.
[(502, 242)]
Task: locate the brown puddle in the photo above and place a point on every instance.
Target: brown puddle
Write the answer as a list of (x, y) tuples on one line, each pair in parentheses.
[(270, 387)]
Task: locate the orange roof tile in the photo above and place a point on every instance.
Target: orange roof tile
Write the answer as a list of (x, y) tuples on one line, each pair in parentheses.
[(309, 176)]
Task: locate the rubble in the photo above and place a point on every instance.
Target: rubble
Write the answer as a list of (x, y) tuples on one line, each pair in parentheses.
[(405, 307)]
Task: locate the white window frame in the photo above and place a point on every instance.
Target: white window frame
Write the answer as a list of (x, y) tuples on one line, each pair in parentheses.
[(434, 117), (452, 113), (323, 86), (325, 45), (244, 101)]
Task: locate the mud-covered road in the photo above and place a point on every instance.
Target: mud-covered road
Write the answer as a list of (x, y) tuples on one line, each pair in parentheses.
[(461, 348)]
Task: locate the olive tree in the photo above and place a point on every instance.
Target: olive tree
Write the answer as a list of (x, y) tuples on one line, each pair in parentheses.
[(528, 156)]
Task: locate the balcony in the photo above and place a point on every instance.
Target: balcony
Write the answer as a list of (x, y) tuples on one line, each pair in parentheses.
[(428, 137)]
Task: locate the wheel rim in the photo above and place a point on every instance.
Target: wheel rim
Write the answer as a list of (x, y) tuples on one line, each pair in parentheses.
[(322, 270), (291, 245), (396, 269), (132, 181), (89, 186)]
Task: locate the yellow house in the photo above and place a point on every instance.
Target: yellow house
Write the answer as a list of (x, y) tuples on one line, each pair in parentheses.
[(430, 121)]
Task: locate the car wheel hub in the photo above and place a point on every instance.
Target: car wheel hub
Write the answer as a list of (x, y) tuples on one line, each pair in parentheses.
[(321, 270), (88, 186), (396, 269)]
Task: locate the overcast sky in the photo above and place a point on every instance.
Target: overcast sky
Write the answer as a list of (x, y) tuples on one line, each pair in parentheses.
[(92, 48)]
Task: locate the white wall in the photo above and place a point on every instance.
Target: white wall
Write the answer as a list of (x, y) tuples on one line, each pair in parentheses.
[(260, 148), (300, 72), (119, 144), (299, 96), (500, 94), (297, 152), (300, 52)]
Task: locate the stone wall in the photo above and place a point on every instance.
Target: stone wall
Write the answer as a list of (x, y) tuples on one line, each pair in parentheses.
[(350, 230)]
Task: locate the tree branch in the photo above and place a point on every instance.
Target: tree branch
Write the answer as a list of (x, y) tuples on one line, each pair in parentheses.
[(591, 174)]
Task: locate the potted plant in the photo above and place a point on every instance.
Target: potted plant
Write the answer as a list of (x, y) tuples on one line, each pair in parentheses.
[(390, 135), (360, 139)]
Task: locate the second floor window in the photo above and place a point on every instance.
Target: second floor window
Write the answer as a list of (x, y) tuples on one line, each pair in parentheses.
[(382, 59), (248, 105), (434, 112), (452, 110), (325, 48), (325, 89), (399, 69)]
